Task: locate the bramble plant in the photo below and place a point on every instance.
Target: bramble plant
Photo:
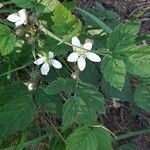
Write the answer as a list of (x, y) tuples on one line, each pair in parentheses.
[(53, 88)]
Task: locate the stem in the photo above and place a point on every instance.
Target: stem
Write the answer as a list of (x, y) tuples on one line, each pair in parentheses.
[(47, 32), (131, 134), (16, 69), (55, 128), (27, 144)]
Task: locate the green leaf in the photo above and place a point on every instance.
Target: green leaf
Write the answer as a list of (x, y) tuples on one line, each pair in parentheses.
[(12, 92), (142, 96), (65, 23), (114, 72), (97, 20), (76, 110), (137, 60), (86, 75), (91, 97), (57, 144), (7, 40), (103, 137), (65, 85), (48, 5), (123, 36), (52, 45), (110, 18), (81, 139), (49, 103), (24, 3), (15, 116), (126, 94)]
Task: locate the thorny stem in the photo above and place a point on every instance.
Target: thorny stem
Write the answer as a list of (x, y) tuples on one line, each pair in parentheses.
[(54, 128), (47, 32)]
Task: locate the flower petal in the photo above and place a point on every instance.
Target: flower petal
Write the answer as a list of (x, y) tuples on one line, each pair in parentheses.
[(39, 61), (93, 57), (23, 15), (13, 17), (81, 63), (73, 57), (51, 55), (75, 41), (19, 23), (45, 69), (56, 64), (88, 45)]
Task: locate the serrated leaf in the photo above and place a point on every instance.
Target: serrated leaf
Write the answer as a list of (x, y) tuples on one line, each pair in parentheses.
[(91, 97), (114, 72), (15, 116), (104, 138), (76, 110), (24, 3), (65, 85), (123, 36), (137, 60), (7, 40), (49, 103), (48, 5), (12, 92), (142, 97), (65, 23), (81, 139), (126, 94)]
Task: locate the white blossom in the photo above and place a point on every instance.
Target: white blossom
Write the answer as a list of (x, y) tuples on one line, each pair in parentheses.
[(30, 86), (81, 52), (47, 62), (19, 18)]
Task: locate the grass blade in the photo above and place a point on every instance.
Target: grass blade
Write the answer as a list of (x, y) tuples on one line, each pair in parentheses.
[(97, 20)]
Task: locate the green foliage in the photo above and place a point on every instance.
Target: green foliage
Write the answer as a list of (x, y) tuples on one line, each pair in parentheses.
[(96, 20), (126, 94), (124, 35), (15, 116), (75, 110), (82, 139), (114, 72), (65, 24), (110, 18), (65, 85), (65, 109), (12, 92), (82, 107), (86, 139), (52, 45), (49, 103), (142, 96), (128, 147), (104, 138), (24, 3), (7, 40), (46, 6), (91, 96), (137, 59)]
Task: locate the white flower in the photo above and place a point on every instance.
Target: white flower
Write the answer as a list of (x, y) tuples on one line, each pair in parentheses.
[(81, 52), (19, 18), (47, 62), (30, 85)]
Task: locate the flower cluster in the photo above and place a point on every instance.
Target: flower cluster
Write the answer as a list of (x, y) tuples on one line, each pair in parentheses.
[(79, 54)]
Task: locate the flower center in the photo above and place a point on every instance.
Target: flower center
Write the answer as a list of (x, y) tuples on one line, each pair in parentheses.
[(80, 51)]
